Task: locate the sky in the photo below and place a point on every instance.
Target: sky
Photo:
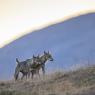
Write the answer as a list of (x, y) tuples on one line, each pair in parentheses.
[(19, 17)]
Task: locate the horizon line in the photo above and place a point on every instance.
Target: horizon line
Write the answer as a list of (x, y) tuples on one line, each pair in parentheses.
[(65, 18)]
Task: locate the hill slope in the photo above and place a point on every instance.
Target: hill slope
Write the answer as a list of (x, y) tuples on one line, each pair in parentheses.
[(80, 82)]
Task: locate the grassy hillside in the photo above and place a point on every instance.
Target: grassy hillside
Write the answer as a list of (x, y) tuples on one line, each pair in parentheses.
[(79, 82)]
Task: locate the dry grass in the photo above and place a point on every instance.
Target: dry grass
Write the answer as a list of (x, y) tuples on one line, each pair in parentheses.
[(80, 82)]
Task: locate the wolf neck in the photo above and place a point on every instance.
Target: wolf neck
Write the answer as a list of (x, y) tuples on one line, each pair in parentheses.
[(43, 59)]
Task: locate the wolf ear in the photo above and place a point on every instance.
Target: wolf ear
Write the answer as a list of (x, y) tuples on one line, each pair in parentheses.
[(33, 56), (44, 52), (17, 60), (38, 56)]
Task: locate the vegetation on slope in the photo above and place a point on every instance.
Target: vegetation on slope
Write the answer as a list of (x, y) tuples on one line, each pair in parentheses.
[(79, 82)]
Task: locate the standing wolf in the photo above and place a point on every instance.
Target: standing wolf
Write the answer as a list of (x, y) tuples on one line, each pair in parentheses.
[(43, 59), (26, 67), (22, 67), (40, 63)]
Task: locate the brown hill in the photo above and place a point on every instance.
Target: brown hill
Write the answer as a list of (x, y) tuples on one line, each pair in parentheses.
[(79, 82)]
